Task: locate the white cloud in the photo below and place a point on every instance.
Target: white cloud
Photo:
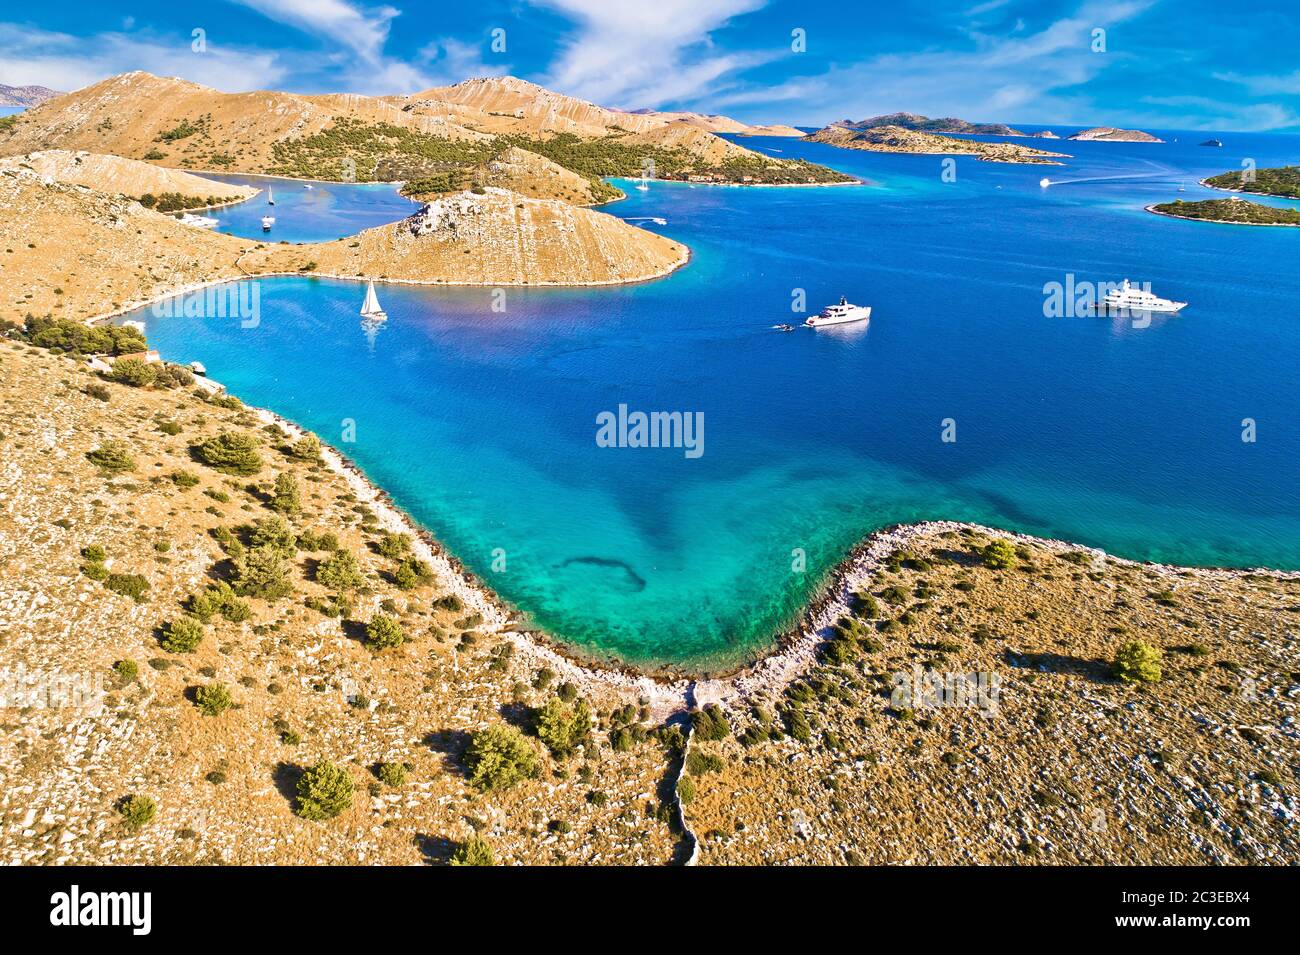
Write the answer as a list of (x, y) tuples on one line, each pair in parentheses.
[(360, 33), (645, 53), (363, 32), (65, 62), (1216, 114), (1264, 84), (447, 60), (1027, 77)]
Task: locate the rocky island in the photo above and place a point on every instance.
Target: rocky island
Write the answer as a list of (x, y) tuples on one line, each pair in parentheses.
[(1231, 211), (896, 139), (1110, 134), (1282, 181)]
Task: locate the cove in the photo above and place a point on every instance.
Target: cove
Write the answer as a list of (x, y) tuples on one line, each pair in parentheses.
[(482, 424)]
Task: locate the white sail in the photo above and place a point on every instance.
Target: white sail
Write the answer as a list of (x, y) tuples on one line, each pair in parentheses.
[(370, 307), (270, 195)]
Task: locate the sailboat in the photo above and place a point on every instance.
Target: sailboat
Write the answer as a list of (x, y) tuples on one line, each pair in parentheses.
[(270, 196), (370, 307), (642, 186)]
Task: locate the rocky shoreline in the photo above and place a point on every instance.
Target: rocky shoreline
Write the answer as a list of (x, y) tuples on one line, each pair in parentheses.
[(667, 690)]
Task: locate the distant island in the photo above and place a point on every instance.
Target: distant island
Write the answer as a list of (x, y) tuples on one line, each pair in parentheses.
[(896, 139), (1228, 211), (1110, 134), (1283, 181), (25, 95), (924, 124)]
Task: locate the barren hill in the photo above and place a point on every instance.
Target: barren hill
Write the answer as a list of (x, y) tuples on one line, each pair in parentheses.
[(178, 123), (441, 137), (493, 238), (25, 95), (128, 177), (76, 253)]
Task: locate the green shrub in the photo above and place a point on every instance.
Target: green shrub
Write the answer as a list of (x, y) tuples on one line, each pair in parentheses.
[(94, 553), (999, 555), (173, 376), (128, 585), (213, 699), (391, 774), (686, 790), (112, 457), (219, 598), (185, 479), (710, 723), (261, 572), (126, 670), (94, 571), (324, 791), (864, 605), (231, 452), (274, 532), (700, 764), (286, 497), (1138, 662), (473, 851), (341, 571), (383, 633), (182, 635), (137, 811), (133, 372), (306, 448), (563, 726), (411, 573), (499, 757), (312, 540), (395, 546), (449, 602)]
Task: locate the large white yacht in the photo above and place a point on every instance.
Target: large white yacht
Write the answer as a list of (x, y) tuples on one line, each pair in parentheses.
[(1129, 297), (840, 314)]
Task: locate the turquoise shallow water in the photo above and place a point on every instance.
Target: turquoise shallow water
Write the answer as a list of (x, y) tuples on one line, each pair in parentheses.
[(482, 424)]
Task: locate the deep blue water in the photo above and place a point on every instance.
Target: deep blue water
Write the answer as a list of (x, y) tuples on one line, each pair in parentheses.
[(328, 210), (482, 424)]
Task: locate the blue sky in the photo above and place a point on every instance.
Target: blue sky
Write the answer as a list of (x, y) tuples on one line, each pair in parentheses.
[(1162, 63)]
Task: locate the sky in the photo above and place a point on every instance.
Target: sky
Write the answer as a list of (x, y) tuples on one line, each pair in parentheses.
[(1163, 64)]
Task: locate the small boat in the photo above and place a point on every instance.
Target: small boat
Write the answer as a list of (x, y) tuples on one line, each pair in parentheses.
[(642, 186), (370, 307), (197, 368), (783, 328), (270, 196), (1213, 142), (1044, 182), (309, 186), (199, 222), (1130, 298), (267, 222), (842, 313)]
